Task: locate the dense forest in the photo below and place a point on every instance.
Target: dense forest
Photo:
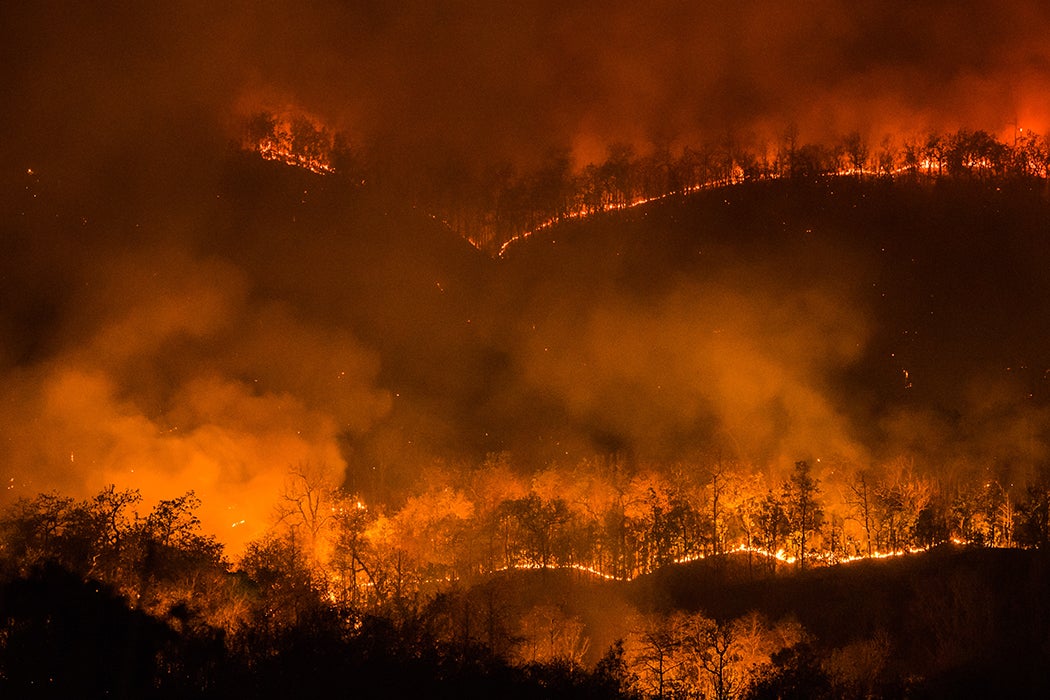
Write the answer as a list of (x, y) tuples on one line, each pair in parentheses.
[(628, 542), (429, 597), (494, 207), (526, 350)]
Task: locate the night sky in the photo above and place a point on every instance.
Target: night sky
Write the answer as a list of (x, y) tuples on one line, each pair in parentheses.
[(479, 82), (174, 317)]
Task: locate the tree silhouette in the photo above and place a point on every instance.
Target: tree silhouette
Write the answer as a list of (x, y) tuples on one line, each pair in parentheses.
[(802, 511), (1034, 516), (66, 637), (856, 152)]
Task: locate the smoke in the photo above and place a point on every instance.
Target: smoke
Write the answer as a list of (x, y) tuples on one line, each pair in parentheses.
[(998, 431), (170, 378), (155, 339), (477, 84), (743, 357)]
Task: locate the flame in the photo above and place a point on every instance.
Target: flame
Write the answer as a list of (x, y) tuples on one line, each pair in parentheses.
[(295, 140), (927, 166), (272, 149), (583, 212), (780, 555)]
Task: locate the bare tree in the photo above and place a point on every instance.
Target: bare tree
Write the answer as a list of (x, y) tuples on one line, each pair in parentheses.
[(859, 499), (547, 635), (803, 512), (856, 152), (306, 506)]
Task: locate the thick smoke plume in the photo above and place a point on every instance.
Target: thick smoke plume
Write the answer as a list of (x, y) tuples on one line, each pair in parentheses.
[(735, 360), (474, 85), (171, 378)]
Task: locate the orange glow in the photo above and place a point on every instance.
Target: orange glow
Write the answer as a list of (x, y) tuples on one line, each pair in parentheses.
[(293, 140), (780, 555), (273, 149)]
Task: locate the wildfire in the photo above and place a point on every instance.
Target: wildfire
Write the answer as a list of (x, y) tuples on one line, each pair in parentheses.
[(282, 152), (779, 555), (538, 566), (964, 153), (297, 140), (582, 212), (880, 555)]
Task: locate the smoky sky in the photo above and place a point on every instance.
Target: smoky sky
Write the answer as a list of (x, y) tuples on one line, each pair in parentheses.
[(173, 318), (477, 83)]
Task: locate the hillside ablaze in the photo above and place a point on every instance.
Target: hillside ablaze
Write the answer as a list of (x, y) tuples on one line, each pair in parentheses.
[(293, 140)]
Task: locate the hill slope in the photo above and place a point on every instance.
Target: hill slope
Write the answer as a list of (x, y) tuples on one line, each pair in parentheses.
[(855, 311), (772, 321), (950, 621)]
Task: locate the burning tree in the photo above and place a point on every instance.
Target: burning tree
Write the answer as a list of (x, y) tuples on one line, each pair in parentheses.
[(1034, 516), (803, 513), (691, 655), (306, 507), (294, 140), (353, 554)]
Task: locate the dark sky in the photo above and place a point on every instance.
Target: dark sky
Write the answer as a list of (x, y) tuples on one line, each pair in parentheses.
[(168, 329), (489, 81)]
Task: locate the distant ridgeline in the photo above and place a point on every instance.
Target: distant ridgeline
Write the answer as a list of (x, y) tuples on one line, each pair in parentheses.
[(492, 212)]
